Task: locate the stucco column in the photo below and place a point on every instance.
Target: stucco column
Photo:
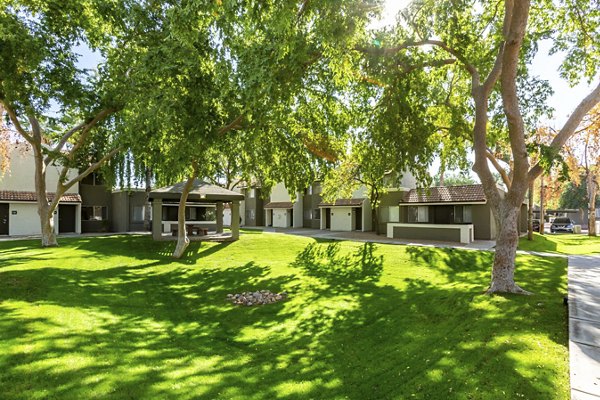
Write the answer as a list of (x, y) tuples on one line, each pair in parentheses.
[(157, 219), (235, 219), (219, 217), (78, 218)]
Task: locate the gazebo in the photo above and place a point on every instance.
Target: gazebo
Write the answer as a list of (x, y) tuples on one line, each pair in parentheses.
[(204, 209)]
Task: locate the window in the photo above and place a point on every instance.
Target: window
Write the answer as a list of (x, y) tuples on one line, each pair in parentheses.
[(252, 193), (394, 214), (94, 213), (317, 213), (418, 214), (462, 214), (138, 214), (169, 213), (310, 190)]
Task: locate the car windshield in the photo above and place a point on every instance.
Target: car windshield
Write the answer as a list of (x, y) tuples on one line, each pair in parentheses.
[(562, 221)]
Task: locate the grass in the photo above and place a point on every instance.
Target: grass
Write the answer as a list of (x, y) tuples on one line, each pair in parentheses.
[(117, 318), (561, 243)]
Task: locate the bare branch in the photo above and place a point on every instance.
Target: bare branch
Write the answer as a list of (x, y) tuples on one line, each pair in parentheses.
[(88, 127), (63, 140), (91, 168), (505, 178), (15, 121), (570, 126), (235, 124)]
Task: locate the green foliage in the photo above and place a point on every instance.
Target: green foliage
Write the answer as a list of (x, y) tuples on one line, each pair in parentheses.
[(123, 320), (459, 178), (254, 84), (575, 196)]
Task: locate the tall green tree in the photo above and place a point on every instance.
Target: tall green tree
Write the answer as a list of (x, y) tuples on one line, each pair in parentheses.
[(477, 57), (261, 78), (51, 103)]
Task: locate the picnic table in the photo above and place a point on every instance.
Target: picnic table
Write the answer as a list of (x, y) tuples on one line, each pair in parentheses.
[(192, 230)]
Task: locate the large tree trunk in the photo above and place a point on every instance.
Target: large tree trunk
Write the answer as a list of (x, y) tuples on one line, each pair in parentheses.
[(503, 270), (47, 224), (45, 211), (375, 220), (592, 190), (182, 239), (530, 212)]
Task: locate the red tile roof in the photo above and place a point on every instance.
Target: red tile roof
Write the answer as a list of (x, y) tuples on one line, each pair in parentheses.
[(280, 204), (446, 194), (344, 203), (19, 195)]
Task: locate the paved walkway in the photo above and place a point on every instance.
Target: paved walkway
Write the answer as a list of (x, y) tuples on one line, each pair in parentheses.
[(584, 327)]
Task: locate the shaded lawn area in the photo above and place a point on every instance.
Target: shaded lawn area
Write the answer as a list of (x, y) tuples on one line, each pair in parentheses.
[(561, 243), (116, 317)]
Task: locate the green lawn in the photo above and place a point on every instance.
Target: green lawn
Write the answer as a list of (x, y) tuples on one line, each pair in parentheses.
[(116, 317), (561, 243)]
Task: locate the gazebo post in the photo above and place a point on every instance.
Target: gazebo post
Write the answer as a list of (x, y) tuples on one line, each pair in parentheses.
[(219, 217), (157, 219), (235, 219)]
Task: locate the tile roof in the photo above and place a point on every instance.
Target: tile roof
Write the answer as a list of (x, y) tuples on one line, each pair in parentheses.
[(19, 195), (344, 203), (280, 204), (446, 194)]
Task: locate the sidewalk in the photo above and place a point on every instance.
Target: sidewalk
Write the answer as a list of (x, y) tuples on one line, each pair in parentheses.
[(584, 327)]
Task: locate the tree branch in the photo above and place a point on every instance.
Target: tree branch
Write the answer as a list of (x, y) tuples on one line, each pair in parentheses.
[(88, 127), (389, 51), (569, 127), (63, 140), (15, 121), (91, 168), (505, 178), (235, 124)]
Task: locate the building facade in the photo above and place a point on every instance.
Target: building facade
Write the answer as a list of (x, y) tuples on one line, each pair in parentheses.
[(18, 199)]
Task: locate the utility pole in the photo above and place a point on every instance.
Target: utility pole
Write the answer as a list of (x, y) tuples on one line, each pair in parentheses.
[(542, 211)]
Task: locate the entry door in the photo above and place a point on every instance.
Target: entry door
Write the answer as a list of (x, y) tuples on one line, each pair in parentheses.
[(328, 218), (358, 216), (4, 219), (66, 218)]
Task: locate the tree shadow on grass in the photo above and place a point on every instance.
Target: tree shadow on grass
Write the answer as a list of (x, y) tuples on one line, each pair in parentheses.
[(148, 332)]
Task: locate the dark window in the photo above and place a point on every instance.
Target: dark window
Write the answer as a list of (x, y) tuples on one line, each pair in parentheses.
[(94, 213)]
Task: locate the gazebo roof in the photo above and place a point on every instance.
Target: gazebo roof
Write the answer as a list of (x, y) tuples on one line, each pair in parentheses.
[(201, 191)]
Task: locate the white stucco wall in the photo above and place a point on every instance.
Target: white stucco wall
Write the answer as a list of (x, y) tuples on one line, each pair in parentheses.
[(340, 220), (21, 174), (280, 193), (281, 218), (26, 221)]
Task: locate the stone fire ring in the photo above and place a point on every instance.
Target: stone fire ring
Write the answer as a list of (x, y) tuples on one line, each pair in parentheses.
[(257, 298)]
